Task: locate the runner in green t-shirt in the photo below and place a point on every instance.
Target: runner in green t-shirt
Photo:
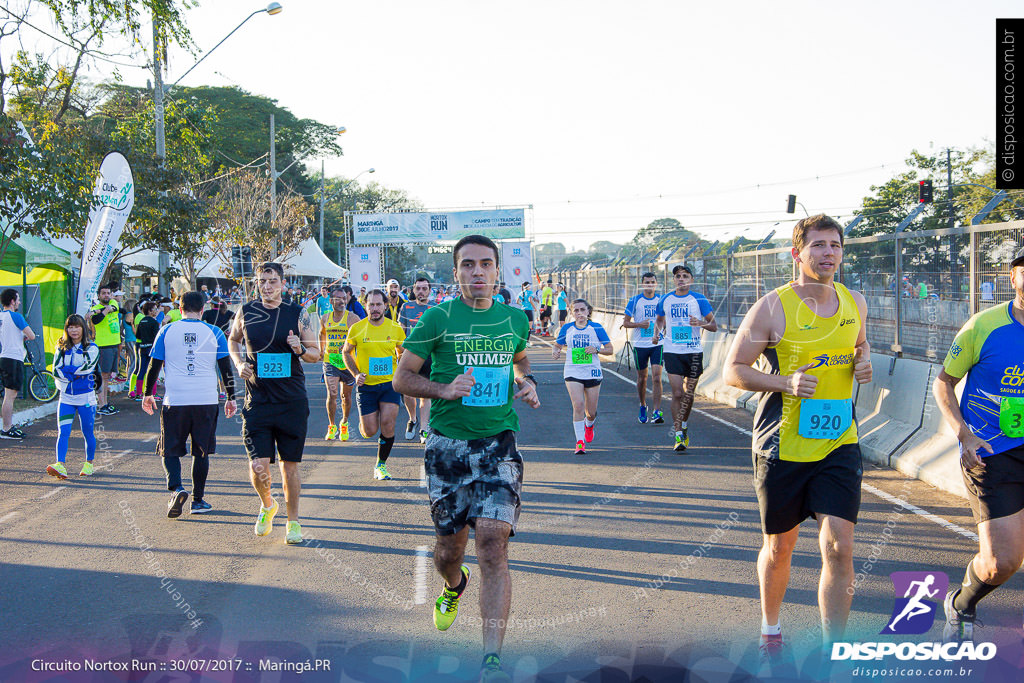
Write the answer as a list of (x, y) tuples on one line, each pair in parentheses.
[(474, 470)]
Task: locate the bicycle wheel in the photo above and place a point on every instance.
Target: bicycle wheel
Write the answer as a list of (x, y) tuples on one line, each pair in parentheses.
[(42, 386)]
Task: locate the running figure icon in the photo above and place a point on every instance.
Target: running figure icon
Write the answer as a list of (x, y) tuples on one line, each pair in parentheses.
[(916, 606)]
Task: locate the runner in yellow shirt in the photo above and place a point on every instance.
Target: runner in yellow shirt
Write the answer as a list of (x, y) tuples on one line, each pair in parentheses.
[(334, 326), (372, 348)]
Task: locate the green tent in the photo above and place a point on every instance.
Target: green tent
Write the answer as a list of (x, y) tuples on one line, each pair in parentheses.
[(32, 260)]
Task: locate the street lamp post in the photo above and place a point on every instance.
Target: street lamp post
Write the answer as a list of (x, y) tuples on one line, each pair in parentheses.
[(324, 200), (163, 260)]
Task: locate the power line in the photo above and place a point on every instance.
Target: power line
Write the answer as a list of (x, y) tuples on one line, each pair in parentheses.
[(24, 21)]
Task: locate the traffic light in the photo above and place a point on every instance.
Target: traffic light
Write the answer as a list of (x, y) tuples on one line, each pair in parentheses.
[(241, 261), (791, 206), (924, 192)]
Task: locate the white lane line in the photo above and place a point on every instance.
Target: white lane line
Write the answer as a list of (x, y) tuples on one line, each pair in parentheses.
[(423, 476), (149, 438), (924, 513), (945, 524), (7, 517), (422, 563), (47, 495)]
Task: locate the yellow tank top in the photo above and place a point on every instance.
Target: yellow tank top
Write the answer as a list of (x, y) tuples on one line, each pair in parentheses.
[(807, 430), (108, 330), (336, 333)]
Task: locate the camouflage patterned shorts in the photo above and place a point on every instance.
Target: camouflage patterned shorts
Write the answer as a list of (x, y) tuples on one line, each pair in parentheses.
[(470, 479)]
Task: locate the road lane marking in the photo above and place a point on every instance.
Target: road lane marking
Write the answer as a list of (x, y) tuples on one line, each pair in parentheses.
[(423, 476), (422, 562), (945, 524), (47, 495), (7, 517)]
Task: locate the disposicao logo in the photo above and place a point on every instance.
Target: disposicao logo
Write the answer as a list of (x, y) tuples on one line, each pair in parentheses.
[(918, 595), (915, 611)]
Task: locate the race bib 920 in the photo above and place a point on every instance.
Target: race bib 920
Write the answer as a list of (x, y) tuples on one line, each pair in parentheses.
[(822, 418)]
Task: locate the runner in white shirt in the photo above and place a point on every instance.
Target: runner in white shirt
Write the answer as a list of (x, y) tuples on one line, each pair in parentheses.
[(189, 351), (682, 315), (641, 316), (14, 330), (582, 372)]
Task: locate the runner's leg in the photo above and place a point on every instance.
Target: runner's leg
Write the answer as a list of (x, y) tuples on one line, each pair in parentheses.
[(259, 474), (686, 402), (575, 390), (835, 539), (677, 383), (449, 552), (292, 485), (591, 394), (332, 397), (773, 564), (1000, 553), (655, 387), (369, 423), (641, 385), (495, 583), (346, 401)]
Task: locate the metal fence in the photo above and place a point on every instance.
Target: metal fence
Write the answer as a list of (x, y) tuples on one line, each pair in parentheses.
[(920, 286)]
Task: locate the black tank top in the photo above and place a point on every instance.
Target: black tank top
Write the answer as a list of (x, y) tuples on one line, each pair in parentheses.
[(266, 333)]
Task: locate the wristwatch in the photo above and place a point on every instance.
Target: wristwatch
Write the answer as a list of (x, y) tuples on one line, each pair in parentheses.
[(302, 349)]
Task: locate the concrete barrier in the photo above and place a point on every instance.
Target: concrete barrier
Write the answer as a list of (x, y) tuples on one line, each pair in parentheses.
[(890, 407)]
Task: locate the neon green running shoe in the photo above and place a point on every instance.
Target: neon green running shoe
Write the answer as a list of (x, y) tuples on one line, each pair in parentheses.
[(86, 470), (332, 433), (294, 533), (682, 441), (58, 470), (265, 522), (381, 471), (447, 606)]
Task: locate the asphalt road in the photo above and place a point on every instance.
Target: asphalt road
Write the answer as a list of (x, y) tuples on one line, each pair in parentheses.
[(630, 562)]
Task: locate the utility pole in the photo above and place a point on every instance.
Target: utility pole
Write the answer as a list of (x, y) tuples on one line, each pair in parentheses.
[(163, 260), (273, 191), (952, 220)]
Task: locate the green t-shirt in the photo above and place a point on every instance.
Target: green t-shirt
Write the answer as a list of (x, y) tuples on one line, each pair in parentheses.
[(455, 337)]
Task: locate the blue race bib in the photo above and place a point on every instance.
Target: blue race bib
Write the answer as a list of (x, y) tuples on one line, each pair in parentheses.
[(823, 418), (381, 367), (647, 332), (491, 388), (274, 365), (682, 334)]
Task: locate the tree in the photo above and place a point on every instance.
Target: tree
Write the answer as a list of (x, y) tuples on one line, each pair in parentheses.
[(243, 207), (662, 233)]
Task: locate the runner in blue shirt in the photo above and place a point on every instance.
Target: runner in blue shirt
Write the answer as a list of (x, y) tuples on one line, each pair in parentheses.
[(585, 340)]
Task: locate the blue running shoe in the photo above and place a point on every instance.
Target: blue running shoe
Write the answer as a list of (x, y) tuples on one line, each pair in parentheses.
[(658, 417), (642, 417)]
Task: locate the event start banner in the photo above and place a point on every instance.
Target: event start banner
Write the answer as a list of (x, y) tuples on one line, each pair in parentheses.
[(115, 194), (412, 227), (365, 265)]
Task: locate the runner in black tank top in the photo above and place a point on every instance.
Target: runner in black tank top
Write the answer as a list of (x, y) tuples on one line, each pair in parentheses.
[(269, 339)]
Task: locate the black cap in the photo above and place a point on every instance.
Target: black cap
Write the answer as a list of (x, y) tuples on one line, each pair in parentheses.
[(1018, 260)]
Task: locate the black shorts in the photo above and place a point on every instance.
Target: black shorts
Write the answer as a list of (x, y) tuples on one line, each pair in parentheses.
[(644, 355), (178, 423), (545, 312), (790, 492), (997, 489), (689, 365), (467, 480), (269, 429), (370, 396), (529, 314), (344, 375), (12, 373), (561, 315), (587, 383)]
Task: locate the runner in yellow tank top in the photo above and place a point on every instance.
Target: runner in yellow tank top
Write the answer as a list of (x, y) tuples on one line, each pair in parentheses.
[(333, 331), (807, 460)]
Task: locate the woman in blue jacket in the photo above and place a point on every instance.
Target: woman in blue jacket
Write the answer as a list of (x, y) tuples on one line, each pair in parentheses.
[(74, 360)]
